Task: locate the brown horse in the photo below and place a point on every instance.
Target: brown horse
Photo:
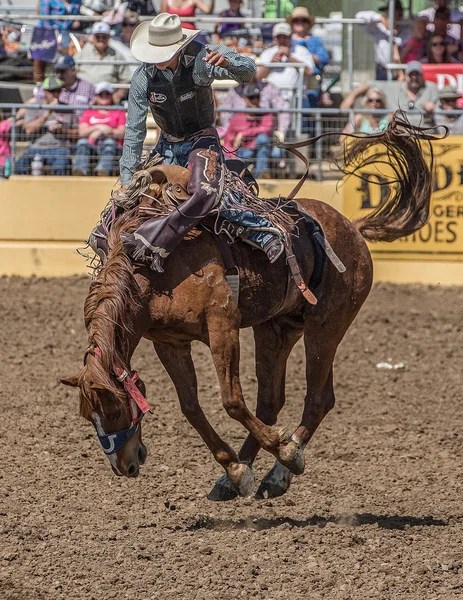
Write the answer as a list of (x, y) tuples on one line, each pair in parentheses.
[(192, 300)]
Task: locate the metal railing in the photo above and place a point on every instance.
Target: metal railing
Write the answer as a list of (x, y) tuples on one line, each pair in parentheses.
[(281, 164)]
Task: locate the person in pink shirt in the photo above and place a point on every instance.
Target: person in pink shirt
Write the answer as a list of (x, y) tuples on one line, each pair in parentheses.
[(415, 47), (101, 133), (249, 135)]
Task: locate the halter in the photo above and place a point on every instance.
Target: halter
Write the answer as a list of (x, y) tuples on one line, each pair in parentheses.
[(113, 442)]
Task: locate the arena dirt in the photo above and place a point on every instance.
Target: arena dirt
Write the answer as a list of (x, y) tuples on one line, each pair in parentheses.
[(377, 515)]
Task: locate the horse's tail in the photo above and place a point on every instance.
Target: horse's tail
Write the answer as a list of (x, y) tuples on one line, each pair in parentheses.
[(408, 152)]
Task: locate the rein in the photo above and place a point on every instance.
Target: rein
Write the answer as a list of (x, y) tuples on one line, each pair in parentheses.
[(138, 405)]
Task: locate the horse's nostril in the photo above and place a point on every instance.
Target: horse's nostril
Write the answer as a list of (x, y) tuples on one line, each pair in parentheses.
[(132, 471)]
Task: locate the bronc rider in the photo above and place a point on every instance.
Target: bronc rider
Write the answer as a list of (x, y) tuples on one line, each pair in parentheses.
[(175, 82)]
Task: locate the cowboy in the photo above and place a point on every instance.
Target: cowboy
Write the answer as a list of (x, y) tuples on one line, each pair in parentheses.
[(175, 82)]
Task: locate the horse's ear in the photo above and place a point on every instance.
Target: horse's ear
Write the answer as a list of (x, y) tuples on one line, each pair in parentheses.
[(72, 381)]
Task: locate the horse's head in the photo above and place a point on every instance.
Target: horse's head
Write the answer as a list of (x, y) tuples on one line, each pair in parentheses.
[(115, 403)]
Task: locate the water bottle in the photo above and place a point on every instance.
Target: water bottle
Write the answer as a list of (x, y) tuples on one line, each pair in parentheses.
[(37, 165), (7, 169)]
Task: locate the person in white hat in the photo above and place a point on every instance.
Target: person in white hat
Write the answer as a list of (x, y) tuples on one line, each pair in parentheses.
[(285, 50), (175, 82)]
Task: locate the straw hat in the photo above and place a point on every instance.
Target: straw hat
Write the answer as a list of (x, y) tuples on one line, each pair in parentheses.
[(301, 12), (159, 40)]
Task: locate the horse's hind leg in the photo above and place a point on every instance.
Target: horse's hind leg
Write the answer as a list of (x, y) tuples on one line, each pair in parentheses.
[(321, 339), (178, 363), (274, 341)]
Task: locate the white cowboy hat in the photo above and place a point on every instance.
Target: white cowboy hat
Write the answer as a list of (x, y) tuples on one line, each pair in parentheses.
[(159, 40)]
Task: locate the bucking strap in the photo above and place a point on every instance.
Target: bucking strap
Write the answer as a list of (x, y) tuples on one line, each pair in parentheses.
[(232, 273)]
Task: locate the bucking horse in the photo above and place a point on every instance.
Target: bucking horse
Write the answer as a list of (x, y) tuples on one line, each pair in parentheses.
[(193, 300)]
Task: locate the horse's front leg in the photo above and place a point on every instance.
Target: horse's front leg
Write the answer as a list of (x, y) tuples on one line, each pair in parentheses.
[(225, 349), (178, 363)]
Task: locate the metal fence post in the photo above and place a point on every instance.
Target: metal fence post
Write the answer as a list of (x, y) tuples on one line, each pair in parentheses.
[(350, 55), (318, 145), (299, 100), (13, 142)]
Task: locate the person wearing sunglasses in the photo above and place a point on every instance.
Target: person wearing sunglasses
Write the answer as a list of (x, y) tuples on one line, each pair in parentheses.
[(101, 133), (448, 98), (454, 29), (301, 22), (369, 123), (438, 51)]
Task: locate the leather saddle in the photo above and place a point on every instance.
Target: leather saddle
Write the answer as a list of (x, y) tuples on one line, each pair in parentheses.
[(175, 179)]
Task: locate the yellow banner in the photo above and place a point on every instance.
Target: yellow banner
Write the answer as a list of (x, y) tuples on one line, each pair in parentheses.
[(442, 237)]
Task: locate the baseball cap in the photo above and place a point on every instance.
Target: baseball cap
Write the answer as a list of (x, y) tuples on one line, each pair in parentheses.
[(52, 83), (64, 62), (397, 6), (101, 27), (251, 90), (281, 29), (413, 66), (103, 86)]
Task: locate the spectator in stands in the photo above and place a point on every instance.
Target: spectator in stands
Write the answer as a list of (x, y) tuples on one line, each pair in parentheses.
[(142, 7), (121, 43), (75, 91), (49, 8), (438, 50), (285, 50), (5, 151), (273, 9), (415, 47), (302, 22), (225, 30), (250, 135), (377, 25), (101, 133), (448, 98), (441, 24), (455, 17), (186, 8), (50, 129), (369, 123), (413, 94), (270, 97), (129, 23), (98, 49)]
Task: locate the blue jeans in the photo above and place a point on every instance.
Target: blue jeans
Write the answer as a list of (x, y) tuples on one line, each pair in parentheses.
[(261, 152), (58, 158), (106, 150), (174, 153)]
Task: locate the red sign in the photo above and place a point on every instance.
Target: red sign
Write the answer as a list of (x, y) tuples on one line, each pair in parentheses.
[(445, 74)]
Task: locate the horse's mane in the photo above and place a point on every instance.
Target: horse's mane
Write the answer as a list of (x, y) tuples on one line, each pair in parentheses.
[(113, 299)]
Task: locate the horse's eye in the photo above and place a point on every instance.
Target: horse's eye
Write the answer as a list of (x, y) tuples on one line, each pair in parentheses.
[(115, 416)]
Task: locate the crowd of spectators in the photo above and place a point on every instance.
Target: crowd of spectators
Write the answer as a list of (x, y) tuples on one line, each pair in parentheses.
[(88, 141)]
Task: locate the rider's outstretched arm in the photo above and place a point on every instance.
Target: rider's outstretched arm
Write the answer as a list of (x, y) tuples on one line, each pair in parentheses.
[(238, 67), (135, 129)]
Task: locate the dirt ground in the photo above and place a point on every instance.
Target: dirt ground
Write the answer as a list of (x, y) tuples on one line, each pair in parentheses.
[(377, 514)]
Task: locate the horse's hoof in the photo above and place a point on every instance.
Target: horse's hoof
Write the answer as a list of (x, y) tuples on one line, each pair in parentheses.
[(275, 483), (291, 455), (242, 479), (222, 490)]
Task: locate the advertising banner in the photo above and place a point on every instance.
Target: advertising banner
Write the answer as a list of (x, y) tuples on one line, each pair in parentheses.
[(43, 44), (445, 74), (442, 237)]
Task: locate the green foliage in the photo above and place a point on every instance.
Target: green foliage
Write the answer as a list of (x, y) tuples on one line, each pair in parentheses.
[(321, 8)]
